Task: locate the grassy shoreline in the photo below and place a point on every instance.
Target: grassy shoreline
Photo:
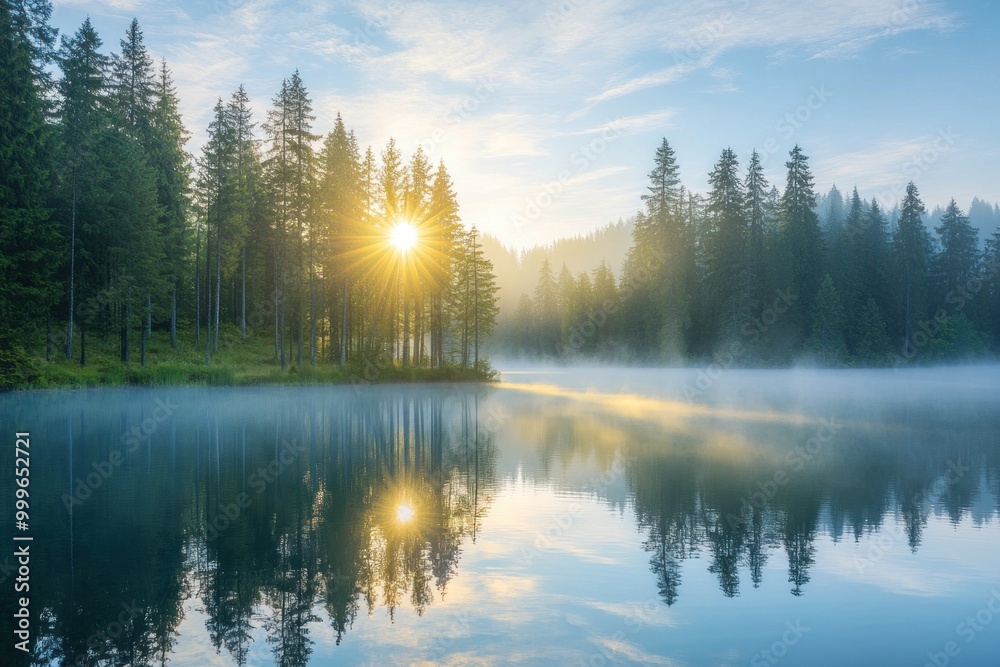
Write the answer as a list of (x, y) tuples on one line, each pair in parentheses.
[(238, 363)]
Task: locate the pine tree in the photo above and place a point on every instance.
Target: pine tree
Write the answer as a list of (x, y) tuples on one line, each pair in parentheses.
[(989, 297), (442, 238), (848, 252), (833, 218), (802, 240), (81, 117), (290, 172), (727, 266), (133, 86), (956, 265), (911, 248), (827, 340), (339, 204), (213, 191), (170, 163), (245, 199), (756, 190), (29, 242), (659, 308), (548, 314), (30, 19), (605, 299), (525, 325)]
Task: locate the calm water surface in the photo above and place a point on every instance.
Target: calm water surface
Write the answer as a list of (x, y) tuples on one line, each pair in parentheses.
[(575, 517)]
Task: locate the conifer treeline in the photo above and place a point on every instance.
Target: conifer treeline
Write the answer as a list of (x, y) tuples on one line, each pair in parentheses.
[(747, 275), (106, 230)]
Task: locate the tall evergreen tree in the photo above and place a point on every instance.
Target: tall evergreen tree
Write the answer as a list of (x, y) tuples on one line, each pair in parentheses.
[(339, 204), (659, 244), (911, 246), (802, 240), (133, 86), (82, 116), (245, 200), (956, 265), (29, 243), (171, 165), (847, 254), (290, 173), (547, 305), (442, 239), (727, 271)]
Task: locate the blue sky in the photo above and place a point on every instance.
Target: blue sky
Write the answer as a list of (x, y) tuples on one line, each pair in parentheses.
[(548, 113)]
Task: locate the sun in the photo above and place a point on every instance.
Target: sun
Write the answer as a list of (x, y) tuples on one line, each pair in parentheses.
[(403, 236), (404, 513)]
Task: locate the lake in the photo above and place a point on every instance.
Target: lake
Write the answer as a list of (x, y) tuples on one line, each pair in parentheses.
[(564, 517)]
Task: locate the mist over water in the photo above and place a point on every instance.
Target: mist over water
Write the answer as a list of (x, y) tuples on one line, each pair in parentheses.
[(599, 515)]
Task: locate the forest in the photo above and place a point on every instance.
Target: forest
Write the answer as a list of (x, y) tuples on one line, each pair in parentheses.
[(281, 246), (115, 242), (748, 276)]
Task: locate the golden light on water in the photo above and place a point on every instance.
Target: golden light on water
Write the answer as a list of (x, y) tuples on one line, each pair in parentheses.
[(403, 236)]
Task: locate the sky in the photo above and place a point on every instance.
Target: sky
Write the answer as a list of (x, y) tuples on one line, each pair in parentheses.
[(548, 113)]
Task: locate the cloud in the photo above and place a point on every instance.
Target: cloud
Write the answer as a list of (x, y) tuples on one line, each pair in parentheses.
[(695, 35)]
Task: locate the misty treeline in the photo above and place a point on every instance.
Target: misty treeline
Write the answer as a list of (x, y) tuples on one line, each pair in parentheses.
[(108, 230), (748, 275)]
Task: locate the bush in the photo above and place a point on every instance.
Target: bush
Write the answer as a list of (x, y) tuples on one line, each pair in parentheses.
[(17, 369)]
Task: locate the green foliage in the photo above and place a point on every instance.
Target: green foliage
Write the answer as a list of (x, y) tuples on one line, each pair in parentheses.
[(827, 340), (29, 243), (873, 339), (17, 368), (802, 244), (957, 340)]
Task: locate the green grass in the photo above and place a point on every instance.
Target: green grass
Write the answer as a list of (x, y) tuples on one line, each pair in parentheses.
[(237, 363)]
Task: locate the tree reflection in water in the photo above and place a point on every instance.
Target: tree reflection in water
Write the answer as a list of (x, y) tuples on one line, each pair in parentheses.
[(262, 513)]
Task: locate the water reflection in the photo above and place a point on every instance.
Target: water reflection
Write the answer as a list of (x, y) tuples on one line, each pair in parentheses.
[(260, 511), (277, 517), (738, 491)]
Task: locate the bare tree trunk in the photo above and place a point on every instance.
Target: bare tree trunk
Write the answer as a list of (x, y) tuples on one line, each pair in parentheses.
[(475, 297), (72, 273), (126, 352), (218, 280), (343, 326), (406, 323), (282, 318), (312, 315), (243, 306), (173, 318), (197, 282)]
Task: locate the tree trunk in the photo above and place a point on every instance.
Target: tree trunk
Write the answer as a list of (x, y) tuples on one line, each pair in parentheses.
[(72, 273), (406, 323), (197, 283), (218, 281), (343, 326), (243, 304), (312, 318), (126, 352), (173, 318), (475, 299)]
